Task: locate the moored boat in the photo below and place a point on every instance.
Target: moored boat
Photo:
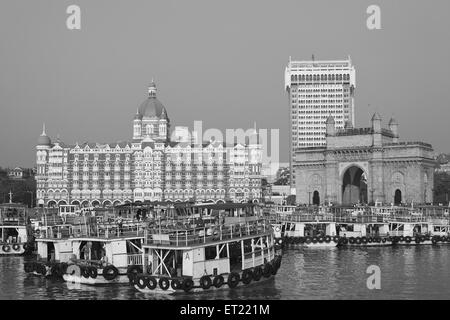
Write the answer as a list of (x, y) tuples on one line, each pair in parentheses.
[(229, 246)]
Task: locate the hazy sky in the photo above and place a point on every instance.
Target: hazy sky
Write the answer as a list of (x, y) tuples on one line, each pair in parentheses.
[(218, 61)]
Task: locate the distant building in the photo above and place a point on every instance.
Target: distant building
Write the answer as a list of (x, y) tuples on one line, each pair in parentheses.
[(150, 167), (317, 90), (365, 165), (16, 173)]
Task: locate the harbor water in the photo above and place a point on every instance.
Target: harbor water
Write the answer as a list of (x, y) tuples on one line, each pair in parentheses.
[(407, 272)]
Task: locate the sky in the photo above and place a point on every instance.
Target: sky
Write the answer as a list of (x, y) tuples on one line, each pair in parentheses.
[(221, 62)]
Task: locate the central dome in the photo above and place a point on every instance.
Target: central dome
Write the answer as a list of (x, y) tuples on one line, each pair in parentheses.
[(152, 107)]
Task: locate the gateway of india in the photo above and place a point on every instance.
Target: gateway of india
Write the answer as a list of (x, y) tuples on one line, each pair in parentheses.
[(364, 165), (149, 167)]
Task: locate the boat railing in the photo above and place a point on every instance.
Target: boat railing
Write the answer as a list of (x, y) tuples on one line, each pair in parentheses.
[(12, 221), (101, 231), (202, 235), (359, 218), (134, 259)]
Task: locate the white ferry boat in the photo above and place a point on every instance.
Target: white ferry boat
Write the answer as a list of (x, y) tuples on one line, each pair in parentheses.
[(88, 252), (15, 230), (228, 245)]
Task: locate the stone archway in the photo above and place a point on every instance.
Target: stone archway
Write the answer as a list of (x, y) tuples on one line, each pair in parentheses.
[(398, 197), (316, 198), (354, 186)]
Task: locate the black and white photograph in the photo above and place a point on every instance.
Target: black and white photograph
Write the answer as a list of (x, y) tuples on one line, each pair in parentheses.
[(219, 156)]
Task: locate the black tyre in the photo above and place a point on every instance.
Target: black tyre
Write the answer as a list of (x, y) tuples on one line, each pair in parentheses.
[(218, 281), (247, 276), (233, 279), (110, 272), (164, 283), (188, 284), (151, 283), (257, 273)]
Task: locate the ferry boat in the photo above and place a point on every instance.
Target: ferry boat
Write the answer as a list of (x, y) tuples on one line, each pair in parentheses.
[(225, 246), (87, 251), (15, 230)]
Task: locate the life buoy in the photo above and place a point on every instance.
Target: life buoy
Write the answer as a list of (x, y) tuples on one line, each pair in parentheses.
[(327, 239), (16, 247), (133, 271), (267, 271), (6, 248), (233, 280), (247, 276), (164, 283), (205, 282), (175, 284), (110, 272), (257, 273), (141, 281), (85, 272), (151, 283), (92, 271), (407, 239), (218, 281), (188, 284)]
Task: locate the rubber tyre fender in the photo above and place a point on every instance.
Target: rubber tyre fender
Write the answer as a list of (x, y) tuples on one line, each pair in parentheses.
[(218, 281), (205, 282), (257, 273), (176, 284), (164, 283), (267, 271), (107, 272), (151, 283), (188, 284), (233, 279), (141, 281), (247, 276), (92, 271)]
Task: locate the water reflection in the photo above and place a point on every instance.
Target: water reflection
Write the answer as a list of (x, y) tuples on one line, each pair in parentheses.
[(407, 272)]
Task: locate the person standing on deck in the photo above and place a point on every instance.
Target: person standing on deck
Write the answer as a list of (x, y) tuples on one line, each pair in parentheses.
[(120, 223)]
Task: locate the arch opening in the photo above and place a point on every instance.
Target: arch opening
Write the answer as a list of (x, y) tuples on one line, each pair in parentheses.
[(354, 186), (397, 197)]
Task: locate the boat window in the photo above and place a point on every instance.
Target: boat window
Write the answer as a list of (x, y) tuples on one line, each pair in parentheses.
[(210, 252)]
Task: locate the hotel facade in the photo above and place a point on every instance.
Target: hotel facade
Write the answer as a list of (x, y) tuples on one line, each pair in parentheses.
[(149, 167)]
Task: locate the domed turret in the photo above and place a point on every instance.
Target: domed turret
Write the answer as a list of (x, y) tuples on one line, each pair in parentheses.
[(43, 139), (152, 107)]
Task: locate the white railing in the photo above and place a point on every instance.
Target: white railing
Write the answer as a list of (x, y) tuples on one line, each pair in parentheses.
[(134, 259)]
